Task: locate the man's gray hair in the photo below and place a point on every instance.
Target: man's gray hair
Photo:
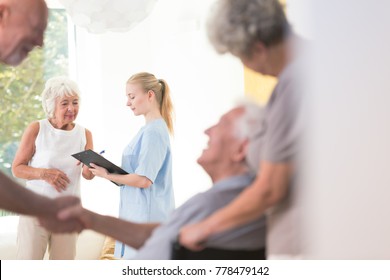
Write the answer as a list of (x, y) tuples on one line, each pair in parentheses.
[(57, 87), (250, 122), (250, 126), (236, 25)]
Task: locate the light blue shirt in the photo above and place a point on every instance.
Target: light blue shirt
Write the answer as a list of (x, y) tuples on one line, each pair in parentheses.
[(149, 155)]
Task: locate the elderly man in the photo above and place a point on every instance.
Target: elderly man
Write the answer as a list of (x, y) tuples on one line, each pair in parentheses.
[(258, 33), (225, 161), (22, 24)]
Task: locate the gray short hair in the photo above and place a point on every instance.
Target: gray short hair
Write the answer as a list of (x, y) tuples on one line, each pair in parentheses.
[(250, 126), (250, 122), (235, 25), (57, 87)]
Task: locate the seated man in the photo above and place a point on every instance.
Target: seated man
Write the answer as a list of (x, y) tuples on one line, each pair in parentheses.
[(225, 161)]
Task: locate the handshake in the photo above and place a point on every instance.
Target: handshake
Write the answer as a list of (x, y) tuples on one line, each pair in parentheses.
[(66, 215)]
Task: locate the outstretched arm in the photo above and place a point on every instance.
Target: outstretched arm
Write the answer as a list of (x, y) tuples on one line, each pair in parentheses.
[(132, 234), (16, 198)]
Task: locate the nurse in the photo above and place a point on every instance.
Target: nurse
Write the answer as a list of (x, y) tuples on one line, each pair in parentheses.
[(146, 193)]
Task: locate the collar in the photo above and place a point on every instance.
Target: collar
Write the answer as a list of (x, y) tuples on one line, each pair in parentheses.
[(235, 181)]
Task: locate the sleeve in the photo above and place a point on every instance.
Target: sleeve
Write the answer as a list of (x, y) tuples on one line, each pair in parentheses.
[(281, 133), (152, 155)]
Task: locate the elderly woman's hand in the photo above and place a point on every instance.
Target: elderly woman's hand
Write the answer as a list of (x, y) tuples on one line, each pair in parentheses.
[(56, 178)]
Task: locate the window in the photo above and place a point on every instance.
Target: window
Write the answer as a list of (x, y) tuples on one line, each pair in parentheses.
[(21, 87)]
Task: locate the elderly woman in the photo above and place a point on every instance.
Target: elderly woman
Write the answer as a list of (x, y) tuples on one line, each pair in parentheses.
[(44, 160)]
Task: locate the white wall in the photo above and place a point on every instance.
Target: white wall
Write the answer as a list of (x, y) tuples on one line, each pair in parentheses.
[(346, 184), (172, 44), (300, 17)]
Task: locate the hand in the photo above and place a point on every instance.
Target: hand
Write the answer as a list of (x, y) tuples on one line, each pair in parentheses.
[(51, 222), (55, 178), (194, 236), (99, 171), (87, 174), (76, 212)]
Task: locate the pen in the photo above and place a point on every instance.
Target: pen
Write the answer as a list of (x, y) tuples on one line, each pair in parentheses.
[(102, 152)]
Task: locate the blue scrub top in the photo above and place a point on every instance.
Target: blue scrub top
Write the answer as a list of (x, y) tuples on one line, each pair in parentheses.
[(149, 155)]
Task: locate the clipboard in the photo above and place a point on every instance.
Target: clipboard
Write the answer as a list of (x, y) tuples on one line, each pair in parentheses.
[(88, 156)]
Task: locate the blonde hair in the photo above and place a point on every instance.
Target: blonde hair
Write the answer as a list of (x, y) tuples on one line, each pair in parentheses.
[(162, 92)]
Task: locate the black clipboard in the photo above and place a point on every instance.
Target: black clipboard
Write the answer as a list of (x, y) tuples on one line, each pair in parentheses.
[(88, 156)]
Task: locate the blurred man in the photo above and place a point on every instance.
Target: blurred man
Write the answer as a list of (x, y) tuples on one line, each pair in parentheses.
[(22, 24), (225, 161)]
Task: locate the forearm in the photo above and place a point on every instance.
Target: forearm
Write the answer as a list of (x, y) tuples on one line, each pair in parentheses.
[(133, 180), (130, 233), (16, 198), (87, 174), (269, 188), (244, 209), (27, 172)]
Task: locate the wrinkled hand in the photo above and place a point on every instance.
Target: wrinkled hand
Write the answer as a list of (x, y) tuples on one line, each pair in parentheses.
[(99, 171), (55, 178), (51, 221), (194, 236)]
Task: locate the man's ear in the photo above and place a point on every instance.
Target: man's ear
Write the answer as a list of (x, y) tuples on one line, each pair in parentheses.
[(241, 151)]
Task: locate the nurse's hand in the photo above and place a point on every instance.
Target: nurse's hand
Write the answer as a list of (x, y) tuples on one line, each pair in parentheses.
[(99, 171)]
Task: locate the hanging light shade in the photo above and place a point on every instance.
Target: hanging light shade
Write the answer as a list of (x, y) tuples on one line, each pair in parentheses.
[(99, 16)]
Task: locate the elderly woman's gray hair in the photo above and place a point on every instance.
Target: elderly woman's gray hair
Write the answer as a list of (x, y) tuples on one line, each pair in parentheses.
[(57, 87), (235, 25)]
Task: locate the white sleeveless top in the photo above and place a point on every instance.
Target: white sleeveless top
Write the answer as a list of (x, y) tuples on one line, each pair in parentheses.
[(53, 149)]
